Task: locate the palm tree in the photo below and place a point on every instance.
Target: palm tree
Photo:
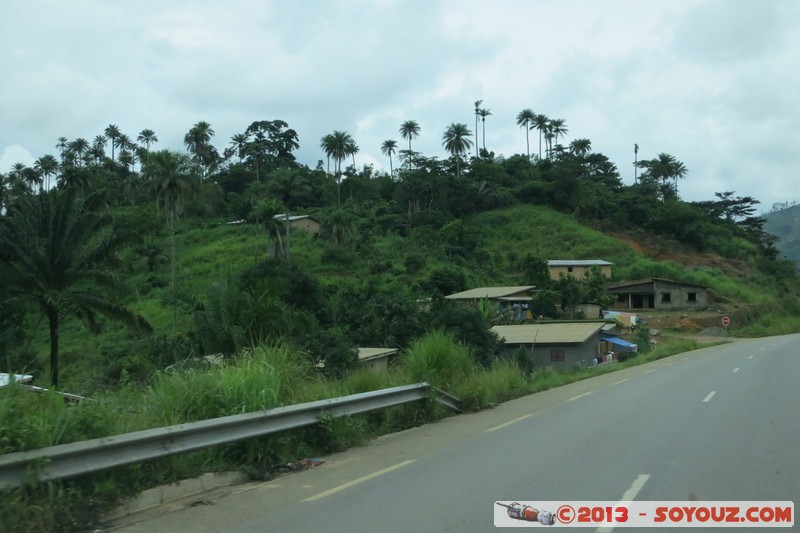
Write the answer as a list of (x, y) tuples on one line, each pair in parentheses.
[(389, 148), (338, 226), (580, 147), (148, 138), (127, 158), (23, 177), (78, 147), (265, 212), (112, 133), (198, 142), (456, 141), (31, 177), (198, 137), (661, 172), (484, 113), (352, 150), (525, 119), (46, 166), (61, 146), (57, 254), (97, 153), (477, 114), (152, 251), (5, 191), (541, 123), (337, 145), (558, 128), (409, 130), (238, 143), (170, 173), (326, 143)]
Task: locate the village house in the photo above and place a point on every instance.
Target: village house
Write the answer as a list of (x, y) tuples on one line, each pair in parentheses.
[(577, 268), (660, 294), (562, 345)]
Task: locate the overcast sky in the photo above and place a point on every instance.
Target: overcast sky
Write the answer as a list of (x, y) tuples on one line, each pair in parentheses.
[(714, 83)]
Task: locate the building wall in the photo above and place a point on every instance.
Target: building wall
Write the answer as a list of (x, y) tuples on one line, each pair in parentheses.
[(308, 224), (661, 295), (679, 297), (577, 272), (590, 311), (540, 354), (377, 364)]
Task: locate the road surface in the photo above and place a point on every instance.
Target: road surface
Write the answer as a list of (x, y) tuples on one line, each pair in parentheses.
[(720, 423)]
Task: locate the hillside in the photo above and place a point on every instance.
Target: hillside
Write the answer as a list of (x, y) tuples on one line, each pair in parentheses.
[(785, 225), (384, 272)]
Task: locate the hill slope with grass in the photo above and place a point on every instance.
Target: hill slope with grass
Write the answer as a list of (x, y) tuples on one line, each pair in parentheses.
[(495, 247)]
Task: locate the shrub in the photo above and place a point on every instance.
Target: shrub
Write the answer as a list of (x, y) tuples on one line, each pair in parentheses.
[(439, 359)]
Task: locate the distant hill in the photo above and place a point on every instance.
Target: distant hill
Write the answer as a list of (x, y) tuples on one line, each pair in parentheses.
[(785, 224)]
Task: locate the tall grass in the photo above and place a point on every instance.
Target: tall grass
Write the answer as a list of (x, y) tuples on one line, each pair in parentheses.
[(267, 377), (439, 359), (488, 387)]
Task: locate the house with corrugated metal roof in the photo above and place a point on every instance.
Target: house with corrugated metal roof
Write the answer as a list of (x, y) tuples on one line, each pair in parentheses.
[(513, 301), (496, 295), (376, 359), (7, 379), (577, 268), (562, 345), (304, 222), (659, 293)]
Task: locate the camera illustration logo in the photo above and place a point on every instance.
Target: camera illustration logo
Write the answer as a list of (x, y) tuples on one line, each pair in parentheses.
[(529, 514)]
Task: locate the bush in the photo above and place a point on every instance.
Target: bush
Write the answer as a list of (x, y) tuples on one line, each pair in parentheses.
[(439, 359)]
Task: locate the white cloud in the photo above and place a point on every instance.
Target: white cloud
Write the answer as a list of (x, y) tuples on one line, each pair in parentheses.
[(15, 154)]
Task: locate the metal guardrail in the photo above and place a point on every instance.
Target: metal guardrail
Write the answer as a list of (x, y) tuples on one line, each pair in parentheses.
[(85, 457)]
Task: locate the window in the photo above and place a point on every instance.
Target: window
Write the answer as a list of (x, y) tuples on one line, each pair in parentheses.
[(692, 296), (569, 269), (557, 355), (666, 297)]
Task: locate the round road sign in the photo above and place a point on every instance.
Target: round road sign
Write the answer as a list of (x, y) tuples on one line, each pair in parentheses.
[(726, 321)]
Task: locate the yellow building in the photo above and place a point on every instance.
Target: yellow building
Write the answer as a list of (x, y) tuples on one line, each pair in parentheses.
[(577, 268)]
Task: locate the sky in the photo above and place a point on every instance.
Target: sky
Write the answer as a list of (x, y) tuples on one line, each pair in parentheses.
[(715, 83)]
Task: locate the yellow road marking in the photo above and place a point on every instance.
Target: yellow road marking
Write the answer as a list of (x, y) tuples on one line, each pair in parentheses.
[(504, 424), (355, 482)]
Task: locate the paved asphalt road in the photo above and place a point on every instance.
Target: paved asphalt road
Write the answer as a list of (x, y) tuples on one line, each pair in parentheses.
[(719, 423)]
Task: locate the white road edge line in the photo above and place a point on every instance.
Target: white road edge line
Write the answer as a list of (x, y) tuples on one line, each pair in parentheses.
[(504, 424), (735, 370), (669, 364), (710, 395), (628, 497), (651, 370), (355, 482), (579, 396), (750, 357), (621, 381)]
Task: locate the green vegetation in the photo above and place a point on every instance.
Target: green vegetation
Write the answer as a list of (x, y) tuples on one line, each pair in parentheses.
[(255, 314), (266, 377)]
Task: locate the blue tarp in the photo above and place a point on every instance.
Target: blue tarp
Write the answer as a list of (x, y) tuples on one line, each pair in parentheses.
[(619, 342)]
